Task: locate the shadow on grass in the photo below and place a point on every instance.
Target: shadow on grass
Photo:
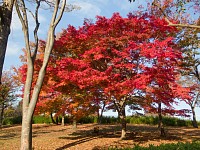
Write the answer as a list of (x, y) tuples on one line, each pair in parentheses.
[(41, 132), (143, 134), (8, 136), (82, 140), (137, 134), (82, 136)]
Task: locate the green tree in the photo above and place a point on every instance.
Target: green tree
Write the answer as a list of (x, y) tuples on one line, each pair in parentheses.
[(190, 67), (8, 88)]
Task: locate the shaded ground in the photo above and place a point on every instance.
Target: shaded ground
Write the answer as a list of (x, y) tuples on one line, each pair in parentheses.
[(52, 137)]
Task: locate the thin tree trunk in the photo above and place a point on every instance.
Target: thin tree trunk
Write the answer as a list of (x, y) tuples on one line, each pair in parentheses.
[(74, 126), (194, 121), (118, 116), (100, 117), (193, 105), (160, 122), (57, 120), (26, 133), (122, 116), (30, 100), (5, 22), (53, 121), (1, 114), (63, 120), (120, 107)]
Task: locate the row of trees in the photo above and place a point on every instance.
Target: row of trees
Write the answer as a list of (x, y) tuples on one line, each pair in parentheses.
[(29, 100), (135, 61)]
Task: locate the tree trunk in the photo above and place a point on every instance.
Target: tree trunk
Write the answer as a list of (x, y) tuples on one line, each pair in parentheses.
[(5, 22), (1, 114), (63, 120), (74, 125), (194, 121), (100, 117), (120, 107), (122, 116), (160, 122), (30, 100), (53, 121), (118, 116), (26, 133), (57, 120)]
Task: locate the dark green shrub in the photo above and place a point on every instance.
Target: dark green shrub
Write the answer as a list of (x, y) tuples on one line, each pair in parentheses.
[(169, 121), (178, 146), (67, 119), (151, 120), (181, 123), (95, 120), (142, 120), (109, 120), (17, 120), (7, 121), (87, 119), (12, 120)]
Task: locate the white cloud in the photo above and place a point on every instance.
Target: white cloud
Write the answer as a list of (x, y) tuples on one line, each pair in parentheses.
[(16, 24), (13, 48), (88, 10)]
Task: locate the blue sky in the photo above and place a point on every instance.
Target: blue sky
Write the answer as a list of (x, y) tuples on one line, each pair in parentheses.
[(89, 9)]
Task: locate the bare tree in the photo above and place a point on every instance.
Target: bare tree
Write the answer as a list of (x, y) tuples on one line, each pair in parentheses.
[(6, 8), (30, 100)]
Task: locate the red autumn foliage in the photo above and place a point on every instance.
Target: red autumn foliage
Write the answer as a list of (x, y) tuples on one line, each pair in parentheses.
[(118, 56)]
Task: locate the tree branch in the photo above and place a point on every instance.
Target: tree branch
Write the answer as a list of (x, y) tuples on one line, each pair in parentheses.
[(61, 13), (36, 30), (173, 24)]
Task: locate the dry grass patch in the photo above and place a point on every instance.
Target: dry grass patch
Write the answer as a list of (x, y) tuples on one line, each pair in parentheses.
[(53, 137)]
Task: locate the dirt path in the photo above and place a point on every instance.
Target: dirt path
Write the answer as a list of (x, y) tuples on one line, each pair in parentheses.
[(52, 137)]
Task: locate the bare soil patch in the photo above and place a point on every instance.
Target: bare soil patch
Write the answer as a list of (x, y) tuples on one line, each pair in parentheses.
[(56, 137)]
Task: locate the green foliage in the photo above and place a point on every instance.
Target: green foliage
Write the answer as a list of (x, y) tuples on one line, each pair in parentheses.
[(142, 120), (178, 146), (184, 122), (109, 120), (87, 119), (41, 119), (95, 119), (167, 121), (67, 119), (12, 120)]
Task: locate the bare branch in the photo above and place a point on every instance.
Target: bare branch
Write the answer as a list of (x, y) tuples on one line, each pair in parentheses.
[(48, 49), (173, 24), (183, 25), (61, 13), (196, 100), (55, 12), (24, 22), (37, 24)]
